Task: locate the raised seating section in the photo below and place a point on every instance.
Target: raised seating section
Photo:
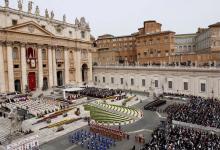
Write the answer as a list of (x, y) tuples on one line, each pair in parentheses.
[(108, 113), (35, 106), (103, 116), (122, 109)]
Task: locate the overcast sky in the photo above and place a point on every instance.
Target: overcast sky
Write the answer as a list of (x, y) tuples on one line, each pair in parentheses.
[(123, 17)]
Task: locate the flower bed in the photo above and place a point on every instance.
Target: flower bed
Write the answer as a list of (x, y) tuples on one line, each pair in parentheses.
[(127, 100), (54, 115), (60, 123)]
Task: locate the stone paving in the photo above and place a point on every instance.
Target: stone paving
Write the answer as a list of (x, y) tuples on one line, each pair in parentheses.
[(4, 128), (52, 140), (144, 126)]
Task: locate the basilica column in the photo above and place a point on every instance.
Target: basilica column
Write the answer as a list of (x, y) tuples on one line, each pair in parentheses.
[(23, 67), (2, 70), (90, 66), (50, 67), (54, 67), (40, 68), (66, 65), (11, 86), (78, 65)]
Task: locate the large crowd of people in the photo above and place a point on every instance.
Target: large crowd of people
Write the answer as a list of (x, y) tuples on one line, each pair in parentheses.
[(200, 111), (100, 92), (182, 138)]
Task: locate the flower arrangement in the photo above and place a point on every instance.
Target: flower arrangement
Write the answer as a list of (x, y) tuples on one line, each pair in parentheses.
[(60, 123), (54, 115)]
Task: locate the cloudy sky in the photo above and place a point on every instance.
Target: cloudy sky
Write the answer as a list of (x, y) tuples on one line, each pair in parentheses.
[(122, 17)]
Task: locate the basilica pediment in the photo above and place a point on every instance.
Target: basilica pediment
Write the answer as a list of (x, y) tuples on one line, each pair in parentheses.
[(30, 28)]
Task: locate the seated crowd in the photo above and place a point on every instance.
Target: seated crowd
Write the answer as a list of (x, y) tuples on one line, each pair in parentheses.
[(200, 111), (100, 93), (17, 98), (182, 138), (176, 95), (73, 96)]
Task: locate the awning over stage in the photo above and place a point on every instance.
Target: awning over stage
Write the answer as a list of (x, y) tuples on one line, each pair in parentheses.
[(70, 90)]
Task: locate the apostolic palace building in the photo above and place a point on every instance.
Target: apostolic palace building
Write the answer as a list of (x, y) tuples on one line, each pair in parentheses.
[(37, 51), (150, 45)]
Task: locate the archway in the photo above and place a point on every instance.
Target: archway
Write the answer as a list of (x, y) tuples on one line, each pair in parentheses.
[(59, 78), (30, 53), (84, 73), (45, 83), (17, 85)]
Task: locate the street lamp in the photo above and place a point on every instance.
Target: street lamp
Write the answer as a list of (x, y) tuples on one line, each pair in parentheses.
[(212, 93)]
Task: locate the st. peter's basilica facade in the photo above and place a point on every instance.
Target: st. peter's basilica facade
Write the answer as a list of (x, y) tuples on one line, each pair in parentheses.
[(38, 51)]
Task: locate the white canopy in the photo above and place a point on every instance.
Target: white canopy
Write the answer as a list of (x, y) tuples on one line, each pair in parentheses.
[(70, 90)]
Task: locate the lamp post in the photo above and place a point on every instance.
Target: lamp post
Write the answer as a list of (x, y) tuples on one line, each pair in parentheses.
[(212, 93)]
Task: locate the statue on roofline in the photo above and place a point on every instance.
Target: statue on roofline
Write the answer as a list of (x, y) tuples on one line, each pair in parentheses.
[(64, 18), (46, 13), (82, 20), (30, 3), (37, 11), (52, 15), (6, 3), (76, 21), (20, 5)]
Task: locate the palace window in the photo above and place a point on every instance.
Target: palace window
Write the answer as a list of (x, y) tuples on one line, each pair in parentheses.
[(167, 52), (82, 34), (96, 79), (132, 81), (156, 83), (44, 65), (203, 87), (185, 86), (170, 84), (112, 80), (16, 66), (189, 47), (158, 53), (103, 79), (143, 82), (15, 53), (122, 80), (14, 22), (58, 30)]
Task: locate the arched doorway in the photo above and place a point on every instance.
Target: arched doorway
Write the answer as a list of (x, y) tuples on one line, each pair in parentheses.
[(59, 78), (31, 81), (45, 83), (84, 73), (17, 85)]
